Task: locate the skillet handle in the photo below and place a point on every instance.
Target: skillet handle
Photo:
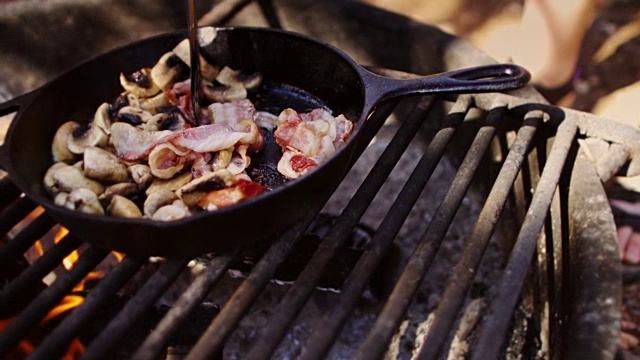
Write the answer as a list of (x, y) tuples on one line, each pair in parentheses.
[(15, 105), (488, 78)]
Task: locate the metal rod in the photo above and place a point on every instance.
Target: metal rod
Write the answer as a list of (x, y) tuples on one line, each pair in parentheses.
[(25, 238), (285, 313), (187, 303), (24, 282), (322, 338), (465, 270), (102, 346), (503, 305), (54, 345), (194, 51), (269, 12), (247, 293), (50, 297), (15, 212), (376, 342)]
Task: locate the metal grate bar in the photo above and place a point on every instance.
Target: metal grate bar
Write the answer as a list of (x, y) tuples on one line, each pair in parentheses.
[(39, 269), (187, 303), (306, 282), (54, 345), (9, 192), (135, 308), (376, 342), (296, 296), (25, 238), (502, 307), (50, 297), (15, 212), (247, 293), (466, 268), (269, 13), (322, 339)]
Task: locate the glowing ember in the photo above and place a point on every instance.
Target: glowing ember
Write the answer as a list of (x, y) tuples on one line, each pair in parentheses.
[(117, 255), (68, 303), (62, 232)]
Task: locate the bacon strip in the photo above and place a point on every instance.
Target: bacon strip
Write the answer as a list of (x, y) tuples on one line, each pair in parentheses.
[(308, 139)]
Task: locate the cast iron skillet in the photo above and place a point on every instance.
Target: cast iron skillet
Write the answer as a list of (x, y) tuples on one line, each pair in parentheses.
[(282, 57)]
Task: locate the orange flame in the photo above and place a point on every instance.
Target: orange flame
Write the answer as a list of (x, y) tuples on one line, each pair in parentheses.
[(25, 347), (37, 246), (60, 234), (119, 256)]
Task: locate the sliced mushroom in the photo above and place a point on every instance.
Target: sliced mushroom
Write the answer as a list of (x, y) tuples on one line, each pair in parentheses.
[(141, 175), (162, 121), (84, 200), (208, 71), (48, 181), (152, 104), (224, 93), (133, 115), (85, 136), (230, 77), (60, 144), (139, 83), (171, 184), (122, 189), (104, 166), (222, 159), (122, 207), (102, 118), (192, 192), (166, 70), (156, 200), (69, 178), (61, 198), (176, 211)]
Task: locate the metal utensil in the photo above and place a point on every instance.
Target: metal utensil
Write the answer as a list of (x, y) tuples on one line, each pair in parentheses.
[(195, 59)]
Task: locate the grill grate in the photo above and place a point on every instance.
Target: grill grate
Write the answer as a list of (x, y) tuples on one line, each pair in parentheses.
[(535, 124)]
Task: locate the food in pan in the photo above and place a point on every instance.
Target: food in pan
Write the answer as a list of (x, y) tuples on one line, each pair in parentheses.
[(144, 155)]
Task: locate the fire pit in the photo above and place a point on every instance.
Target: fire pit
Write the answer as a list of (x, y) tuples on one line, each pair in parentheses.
[(472, 226)]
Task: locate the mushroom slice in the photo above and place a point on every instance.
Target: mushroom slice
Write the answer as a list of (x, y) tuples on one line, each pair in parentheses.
[(141, 175), (133, 115), (60, 144), (171, 184), (122, 189), (224, 93), (176, 211), (166, 160), (69, 178), (152, 104), (158, 199), (102, 118), (222, 159), (230, 77), (192, 192), (84, 200), (139, 83), (49, 181), (166, 70), (208, 71), (104, 166), (163, 121), (122, 207), (85, 136)]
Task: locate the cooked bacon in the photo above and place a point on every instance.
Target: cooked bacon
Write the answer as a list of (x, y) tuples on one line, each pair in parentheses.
[(166, 160), (132, 143), (207, 138), (200, 165), (232, 195), (266, 120), (239, 160), (308, 139), (239, 115)]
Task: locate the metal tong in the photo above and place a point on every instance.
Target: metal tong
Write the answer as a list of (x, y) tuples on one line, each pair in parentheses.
[(194, 47)]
